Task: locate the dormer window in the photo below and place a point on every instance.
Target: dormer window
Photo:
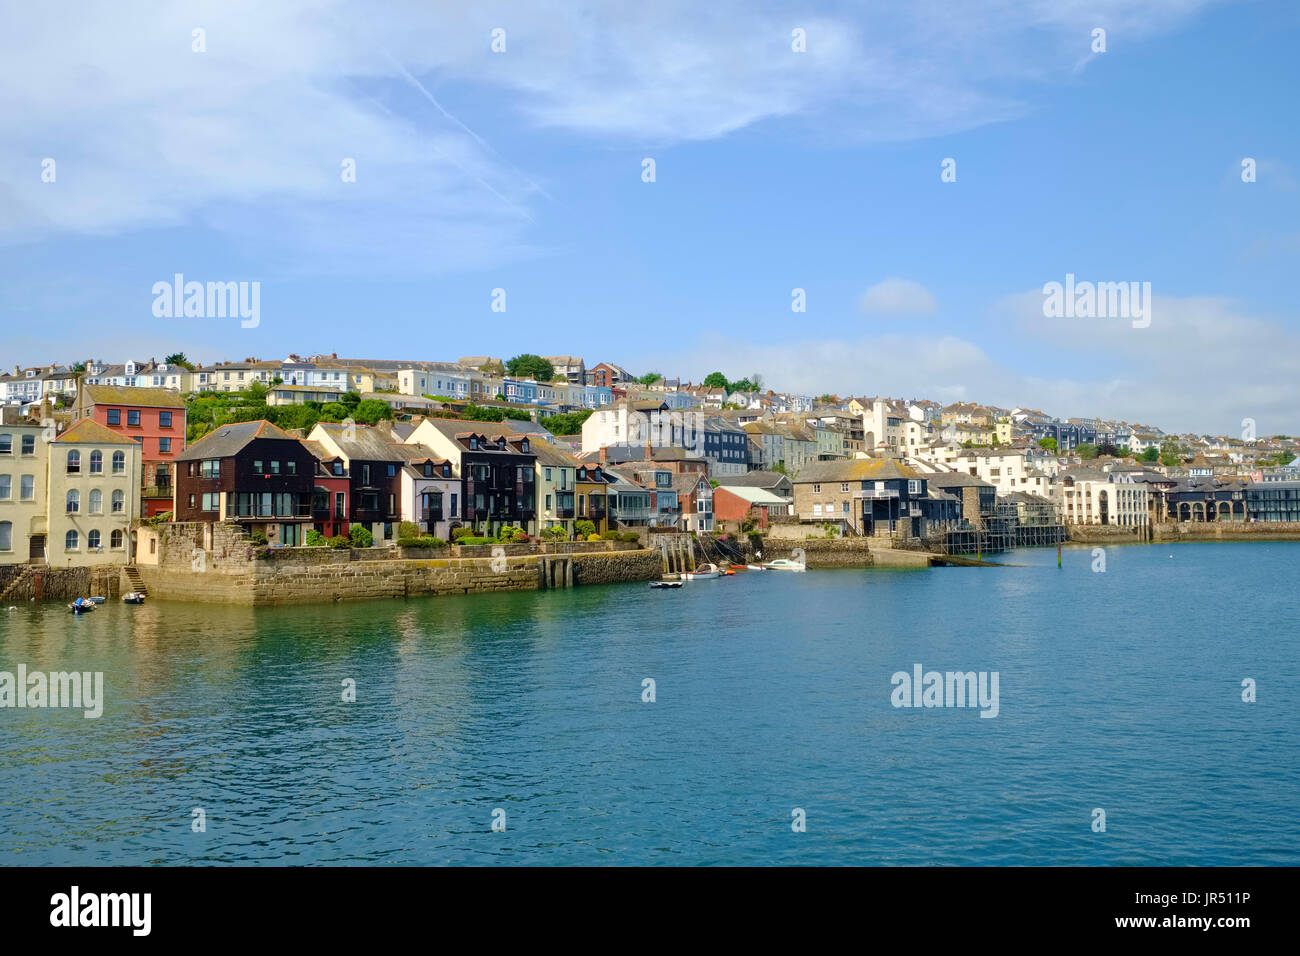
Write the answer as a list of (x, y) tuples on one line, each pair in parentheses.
[(473, 444), (523, 445)]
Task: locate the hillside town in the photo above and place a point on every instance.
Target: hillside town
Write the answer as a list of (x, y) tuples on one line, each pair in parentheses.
[(324, 450)]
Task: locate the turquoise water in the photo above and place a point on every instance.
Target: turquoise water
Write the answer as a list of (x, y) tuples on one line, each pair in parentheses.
[(1118, 690)]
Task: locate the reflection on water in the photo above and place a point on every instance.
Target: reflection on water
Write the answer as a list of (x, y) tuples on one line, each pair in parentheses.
[(1118, 690)]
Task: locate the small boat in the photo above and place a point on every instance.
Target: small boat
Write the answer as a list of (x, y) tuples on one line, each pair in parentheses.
[(81, 606), (754, 567), (704, 572), (97, 600), (665, 584), (133, 597), (740, 567), (785, 564)]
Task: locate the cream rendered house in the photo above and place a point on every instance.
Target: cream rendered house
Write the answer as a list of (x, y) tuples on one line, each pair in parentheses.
[(24, 461), (94, 491)]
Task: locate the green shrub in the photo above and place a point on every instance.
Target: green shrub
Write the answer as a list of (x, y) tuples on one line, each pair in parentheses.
[(407, 529), (257, 537), (340, 541), (558, 533), (462, 532), (610, 535), (421, 541), (361, 536), (631, 536), (314, 539), (472, 539), (585, 528)]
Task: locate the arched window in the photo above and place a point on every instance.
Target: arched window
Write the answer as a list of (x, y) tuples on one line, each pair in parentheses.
[(115, 539), (74, 462), (96, 502), (119, 502), (70, 541), (92, 540), (74, 501), (119, 462), (96, 462)]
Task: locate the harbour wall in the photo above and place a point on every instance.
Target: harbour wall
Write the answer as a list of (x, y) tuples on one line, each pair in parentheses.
[(218, 565), (1188, 531)]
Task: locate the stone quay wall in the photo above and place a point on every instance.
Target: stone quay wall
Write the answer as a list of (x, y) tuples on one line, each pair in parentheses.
[(219, 565)]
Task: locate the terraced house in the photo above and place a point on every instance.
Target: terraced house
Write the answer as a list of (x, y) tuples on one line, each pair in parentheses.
[(24, 465), (866, 496), (152, 417), (94, 493)]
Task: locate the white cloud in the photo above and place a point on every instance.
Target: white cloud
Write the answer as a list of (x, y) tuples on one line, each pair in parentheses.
[(897, 297)]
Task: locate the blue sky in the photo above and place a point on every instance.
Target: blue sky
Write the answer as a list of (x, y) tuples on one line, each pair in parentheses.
[(774, 170)]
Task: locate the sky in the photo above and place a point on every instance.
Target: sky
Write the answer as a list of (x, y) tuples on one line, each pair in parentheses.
[(523, 169)]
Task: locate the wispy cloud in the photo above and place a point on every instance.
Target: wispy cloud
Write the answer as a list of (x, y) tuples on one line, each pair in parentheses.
[(893, 297)]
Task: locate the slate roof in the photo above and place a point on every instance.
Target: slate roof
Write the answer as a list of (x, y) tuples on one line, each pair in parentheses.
[(124, 395), (227, 440), (855, 469), (88, 431)]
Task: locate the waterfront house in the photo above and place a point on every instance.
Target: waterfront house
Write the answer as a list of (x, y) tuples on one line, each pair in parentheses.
[(734, 505), (251, 472), (24, 491), (152, 417), (331, 492), (591, 485), (695, 499), (94, 495), (374, 464), (497, 471), (556, 484), (866, 496), (629, 501), (1089, 496), (775, 482)]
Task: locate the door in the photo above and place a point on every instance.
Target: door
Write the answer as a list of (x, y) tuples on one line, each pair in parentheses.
[(36, 549)]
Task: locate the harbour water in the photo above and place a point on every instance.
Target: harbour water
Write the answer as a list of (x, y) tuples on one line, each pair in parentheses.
[(1118, 690)]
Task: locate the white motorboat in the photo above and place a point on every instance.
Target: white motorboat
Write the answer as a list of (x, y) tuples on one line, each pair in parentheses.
[(784, 564)]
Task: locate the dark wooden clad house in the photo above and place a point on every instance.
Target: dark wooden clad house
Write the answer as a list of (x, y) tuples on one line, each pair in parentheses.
[(250, 472)]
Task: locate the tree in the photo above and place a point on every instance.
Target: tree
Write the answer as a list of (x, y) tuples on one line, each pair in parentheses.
[(649, 377), (1049, 443), (715, 380), (178, 358), (492, 368), (527, 365), (350, 400), (1151, 454), (256, 391), (371, 411), (1087, 451)]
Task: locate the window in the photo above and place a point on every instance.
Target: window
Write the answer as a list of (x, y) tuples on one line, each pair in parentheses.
[(257, 466), (73, 501), (548, 478), (6, 444), (6, 486), (913, 486), (96, 462), (96, 502), (119, 502), (210, 501), (115, 416), (70, 541), (365, 474), (133, 417), (340, 507), (844, 486), (392, 471), (164, 419), (338, 468), (291, 467), (6, 536), (275, 467), (29, 444), (92, 540), (191, 501), (74, 462), (817, 489), (548, 502), (210, 468), (27, 487), (164, 446)]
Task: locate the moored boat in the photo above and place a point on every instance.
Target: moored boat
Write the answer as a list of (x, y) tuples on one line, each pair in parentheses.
[(704, 572), (784, 564), (81, 606), (665, 584), (133, 597)]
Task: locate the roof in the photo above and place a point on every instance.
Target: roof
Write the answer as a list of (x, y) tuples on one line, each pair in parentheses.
[(854, 469), (227, 440), (364, 442), (753, 479), (548, 454), (88, 431), (957, 479), (132, 395), (755, 496)]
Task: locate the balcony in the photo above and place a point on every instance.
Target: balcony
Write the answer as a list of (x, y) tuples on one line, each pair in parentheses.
[(430, 514), (157, 491), (875, 494), (564, 512)]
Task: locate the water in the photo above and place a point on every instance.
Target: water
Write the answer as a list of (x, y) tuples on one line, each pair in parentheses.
[(1118, 690)]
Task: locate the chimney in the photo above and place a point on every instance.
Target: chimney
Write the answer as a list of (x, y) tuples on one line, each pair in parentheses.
[(603, 454)]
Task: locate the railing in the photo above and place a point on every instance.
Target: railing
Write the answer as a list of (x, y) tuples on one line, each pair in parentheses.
[(430, 514), (157, 491), (875, 493)]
